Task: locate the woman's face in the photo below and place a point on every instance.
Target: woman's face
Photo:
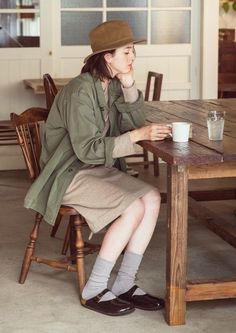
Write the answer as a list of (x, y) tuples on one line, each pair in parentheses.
[(121, 61)]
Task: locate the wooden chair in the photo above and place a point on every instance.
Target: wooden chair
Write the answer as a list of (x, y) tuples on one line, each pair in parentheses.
[(156, 92), (155, 96), (50, 90), (28, 129)]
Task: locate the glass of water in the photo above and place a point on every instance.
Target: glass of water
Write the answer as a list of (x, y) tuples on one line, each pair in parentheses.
[(215, 125)]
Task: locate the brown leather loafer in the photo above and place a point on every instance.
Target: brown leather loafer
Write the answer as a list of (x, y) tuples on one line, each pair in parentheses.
[(114, 307), (144, 302)]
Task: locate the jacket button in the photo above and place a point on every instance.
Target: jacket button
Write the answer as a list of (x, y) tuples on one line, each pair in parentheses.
[(70, 170)]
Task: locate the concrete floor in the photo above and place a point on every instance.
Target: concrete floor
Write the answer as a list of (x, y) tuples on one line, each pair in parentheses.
[(48, 301)]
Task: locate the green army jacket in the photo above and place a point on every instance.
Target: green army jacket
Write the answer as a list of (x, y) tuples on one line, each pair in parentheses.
[(73, 137)]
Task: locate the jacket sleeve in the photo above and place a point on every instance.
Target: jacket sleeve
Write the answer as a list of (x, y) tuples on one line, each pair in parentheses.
[(86, 137), (132, 114)]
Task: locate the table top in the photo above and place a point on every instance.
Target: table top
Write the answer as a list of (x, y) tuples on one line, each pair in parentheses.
[(199, 149), (37, 84)]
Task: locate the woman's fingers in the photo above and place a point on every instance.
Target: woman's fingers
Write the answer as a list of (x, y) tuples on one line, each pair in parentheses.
[(153, 132), (159, 131)]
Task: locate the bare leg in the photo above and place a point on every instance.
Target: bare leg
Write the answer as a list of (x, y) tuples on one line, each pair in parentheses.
[(121, 230), (138, 242), (114, 242), (142, 235), (135, 228)]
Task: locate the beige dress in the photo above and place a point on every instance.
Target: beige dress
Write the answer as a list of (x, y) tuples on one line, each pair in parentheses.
[(102, 194)]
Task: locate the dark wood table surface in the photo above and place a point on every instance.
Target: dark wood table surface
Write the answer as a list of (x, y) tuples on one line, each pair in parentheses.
[(199, 158)]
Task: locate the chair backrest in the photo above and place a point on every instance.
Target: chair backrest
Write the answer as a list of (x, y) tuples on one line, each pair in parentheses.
[(156, 87), (28, 127), (50, 90)]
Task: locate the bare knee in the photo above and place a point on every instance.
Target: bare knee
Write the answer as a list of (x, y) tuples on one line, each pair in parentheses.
[(135, 212), (152, 200)]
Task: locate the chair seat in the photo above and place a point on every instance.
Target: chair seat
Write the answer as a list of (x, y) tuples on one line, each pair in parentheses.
[(67, 210)]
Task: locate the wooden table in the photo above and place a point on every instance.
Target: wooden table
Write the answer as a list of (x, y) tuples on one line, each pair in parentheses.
[(37, 84), (197, 159)]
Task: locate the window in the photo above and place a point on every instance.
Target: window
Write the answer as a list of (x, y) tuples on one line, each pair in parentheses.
[(158, 21), (19, 23)]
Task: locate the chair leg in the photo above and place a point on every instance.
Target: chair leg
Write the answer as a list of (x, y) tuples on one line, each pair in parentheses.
[(56, 225), (79, 245), (66, 240), (72, 239), (156, 166), (145, 158), (30, 249)]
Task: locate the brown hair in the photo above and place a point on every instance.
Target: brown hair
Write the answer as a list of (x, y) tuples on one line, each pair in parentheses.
[(97, 67)]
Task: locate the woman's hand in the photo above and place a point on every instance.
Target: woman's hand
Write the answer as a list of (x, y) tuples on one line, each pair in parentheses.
[(127, 79), (153, 132)]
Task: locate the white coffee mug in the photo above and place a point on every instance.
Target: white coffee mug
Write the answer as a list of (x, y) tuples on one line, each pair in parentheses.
[(180, 131)]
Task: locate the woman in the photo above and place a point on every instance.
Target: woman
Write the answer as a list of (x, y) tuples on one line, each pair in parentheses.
[(95, 121)]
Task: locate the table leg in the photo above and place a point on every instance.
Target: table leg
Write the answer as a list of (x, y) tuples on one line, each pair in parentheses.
[(177, 208)]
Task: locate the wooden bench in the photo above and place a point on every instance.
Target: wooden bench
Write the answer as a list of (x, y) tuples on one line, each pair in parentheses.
[(7, 133)]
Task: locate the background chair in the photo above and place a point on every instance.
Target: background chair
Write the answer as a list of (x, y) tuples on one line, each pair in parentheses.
[(28, 128), (157, 84), (50, 90), (152, 93)]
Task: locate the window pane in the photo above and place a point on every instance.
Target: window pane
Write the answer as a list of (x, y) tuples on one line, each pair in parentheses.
[(125, 3), (75, 27), (80, 3), (19, 30), (171, 3), (13, 4), (137, 21), (168, 27)]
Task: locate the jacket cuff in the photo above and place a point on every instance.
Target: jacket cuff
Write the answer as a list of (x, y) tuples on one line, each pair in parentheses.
[(130, 94), (109, 147), (123, 146), (125, 107)]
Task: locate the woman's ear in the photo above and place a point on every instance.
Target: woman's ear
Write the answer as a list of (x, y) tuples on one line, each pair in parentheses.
[(108, 57)]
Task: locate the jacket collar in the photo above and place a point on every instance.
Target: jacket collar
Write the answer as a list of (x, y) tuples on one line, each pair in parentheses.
[(112, 91), (100, 94)]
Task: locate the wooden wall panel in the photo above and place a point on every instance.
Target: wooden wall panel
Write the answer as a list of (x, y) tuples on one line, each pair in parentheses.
[(14, 96), (176, 71)]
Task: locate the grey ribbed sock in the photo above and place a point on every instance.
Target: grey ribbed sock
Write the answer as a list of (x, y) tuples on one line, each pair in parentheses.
[(98, 279), (126, 276)]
